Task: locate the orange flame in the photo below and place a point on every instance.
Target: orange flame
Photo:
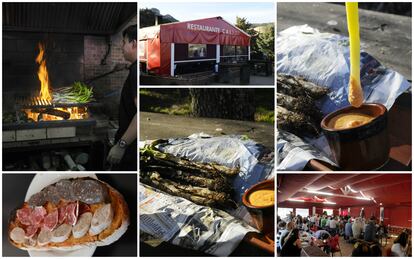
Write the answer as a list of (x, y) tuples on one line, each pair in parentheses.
[(45, 96), (43, 75)]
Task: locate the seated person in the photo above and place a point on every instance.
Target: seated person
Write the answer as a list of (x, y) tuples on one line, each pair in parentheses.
[(399, 248), (292, 245), (282, 231), (370, 231), (364, 249), (285, 233), (322, 234)]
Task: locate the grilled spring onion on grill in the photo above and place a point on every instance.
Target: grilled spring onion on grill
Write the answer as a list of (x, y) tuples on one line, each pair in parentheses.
[(202, 183), (76, 93)]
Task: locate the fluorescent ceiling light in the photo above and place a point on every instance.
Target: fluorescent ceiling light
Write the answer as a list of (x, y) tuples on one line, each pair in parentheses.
[(362, 198), (296, 200), (349, 187), (318, 192), (325, 202)]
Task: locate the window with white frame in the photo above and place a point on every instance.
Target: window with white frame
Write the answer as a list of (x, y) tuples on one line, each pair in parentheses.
[(284, 212), (328, 211), (302, 212)]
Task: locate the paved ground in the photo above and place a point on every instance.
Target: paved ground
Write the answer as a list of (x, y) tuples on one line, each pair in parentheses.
[(157, 125), (387, 37), (258, 80), (262, 80)]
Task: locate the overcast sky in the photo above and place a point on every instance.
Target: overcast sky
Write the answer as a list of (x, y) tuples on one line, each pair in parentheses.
[(258, 12)]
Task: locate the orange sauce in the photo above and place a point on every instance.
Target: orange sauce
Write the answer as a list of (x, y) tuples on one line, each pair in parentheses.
[(262, 198), (349, 120)]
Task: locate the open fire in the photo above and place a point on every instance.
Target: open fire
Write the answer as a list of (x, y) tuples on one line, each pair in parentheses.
[(43, 107), (43, 75)]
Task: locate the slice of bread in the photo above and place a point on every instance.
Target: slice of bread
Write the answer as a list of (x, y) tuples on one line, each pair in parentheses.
[(112, 233)]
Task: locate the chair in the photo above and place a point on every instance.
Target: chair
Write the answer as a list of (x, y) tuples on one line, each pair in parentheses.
[(388, 252), (382, 238), (334, 245)]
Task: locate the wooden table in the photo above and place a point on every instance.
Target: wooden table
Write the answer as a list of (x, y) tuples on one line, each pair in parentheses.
[(387, 37), (320, 243), (312, 251)]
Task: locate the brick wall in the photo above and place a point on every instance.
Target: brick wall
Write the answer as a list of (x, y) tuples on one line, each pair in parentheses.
[(64, 60), (70, 57), (107, 89)]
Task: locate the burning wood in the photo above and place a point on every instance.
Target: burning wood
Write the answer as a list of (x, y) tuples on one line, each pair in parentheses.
[(43, 107)]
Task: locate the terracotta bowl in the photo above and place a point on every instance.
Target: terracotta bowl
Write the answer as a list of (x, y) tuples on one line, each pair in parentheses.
[(364, 147), (263, 216)]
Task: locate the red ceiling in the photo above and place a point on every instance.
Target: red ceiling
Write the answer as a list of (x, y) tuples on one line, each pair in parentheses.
[(389, 189)]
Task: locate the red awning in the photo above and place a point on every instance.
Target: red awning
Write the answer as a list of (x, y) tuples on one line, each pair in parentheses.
[(204, 31)]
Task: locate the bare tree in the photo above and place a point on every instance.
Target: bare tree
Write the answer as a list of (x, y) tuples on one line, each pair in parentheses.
[(225, 103)]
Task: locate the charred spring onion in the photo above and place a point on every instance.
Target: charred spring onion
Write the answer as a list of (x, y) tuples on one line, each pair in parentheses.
[(202, 183)]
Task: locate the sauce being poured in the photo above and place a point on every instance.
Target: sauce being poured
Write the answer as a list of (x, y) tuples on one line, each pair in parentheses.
[(349, 120), (356, 95), (262, 198)]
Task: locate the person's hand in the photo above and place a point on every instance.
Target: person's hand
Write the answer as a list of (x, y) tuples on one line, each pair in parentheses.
[(115, 154)]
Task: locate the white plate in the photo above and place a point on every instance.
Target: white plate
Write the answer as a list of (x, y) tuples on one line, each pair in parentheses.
[(39, 182)]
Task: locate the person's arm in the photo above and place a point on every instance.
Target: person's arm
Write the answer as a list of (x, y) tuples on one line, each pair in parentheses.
[(131, 133), (117, 152)]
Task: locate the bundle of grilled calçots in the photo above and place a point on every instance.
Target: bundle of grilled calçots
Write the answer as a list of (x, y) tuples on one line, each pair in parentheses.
[(296, 109), (68, 215), (202, 183)]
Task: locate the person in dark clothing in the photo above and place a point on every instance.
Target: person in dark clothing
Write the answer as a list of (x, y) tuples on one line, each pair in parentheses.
[(123, 155), (365, 249), (370, 231), (292, 246)]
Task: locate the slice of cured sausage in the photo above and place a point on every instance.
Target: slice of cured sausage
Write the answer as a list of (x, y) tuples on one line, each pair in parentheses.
[(37, 215), (72, 211), (23, 215), (51, 220), (89, 191)]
